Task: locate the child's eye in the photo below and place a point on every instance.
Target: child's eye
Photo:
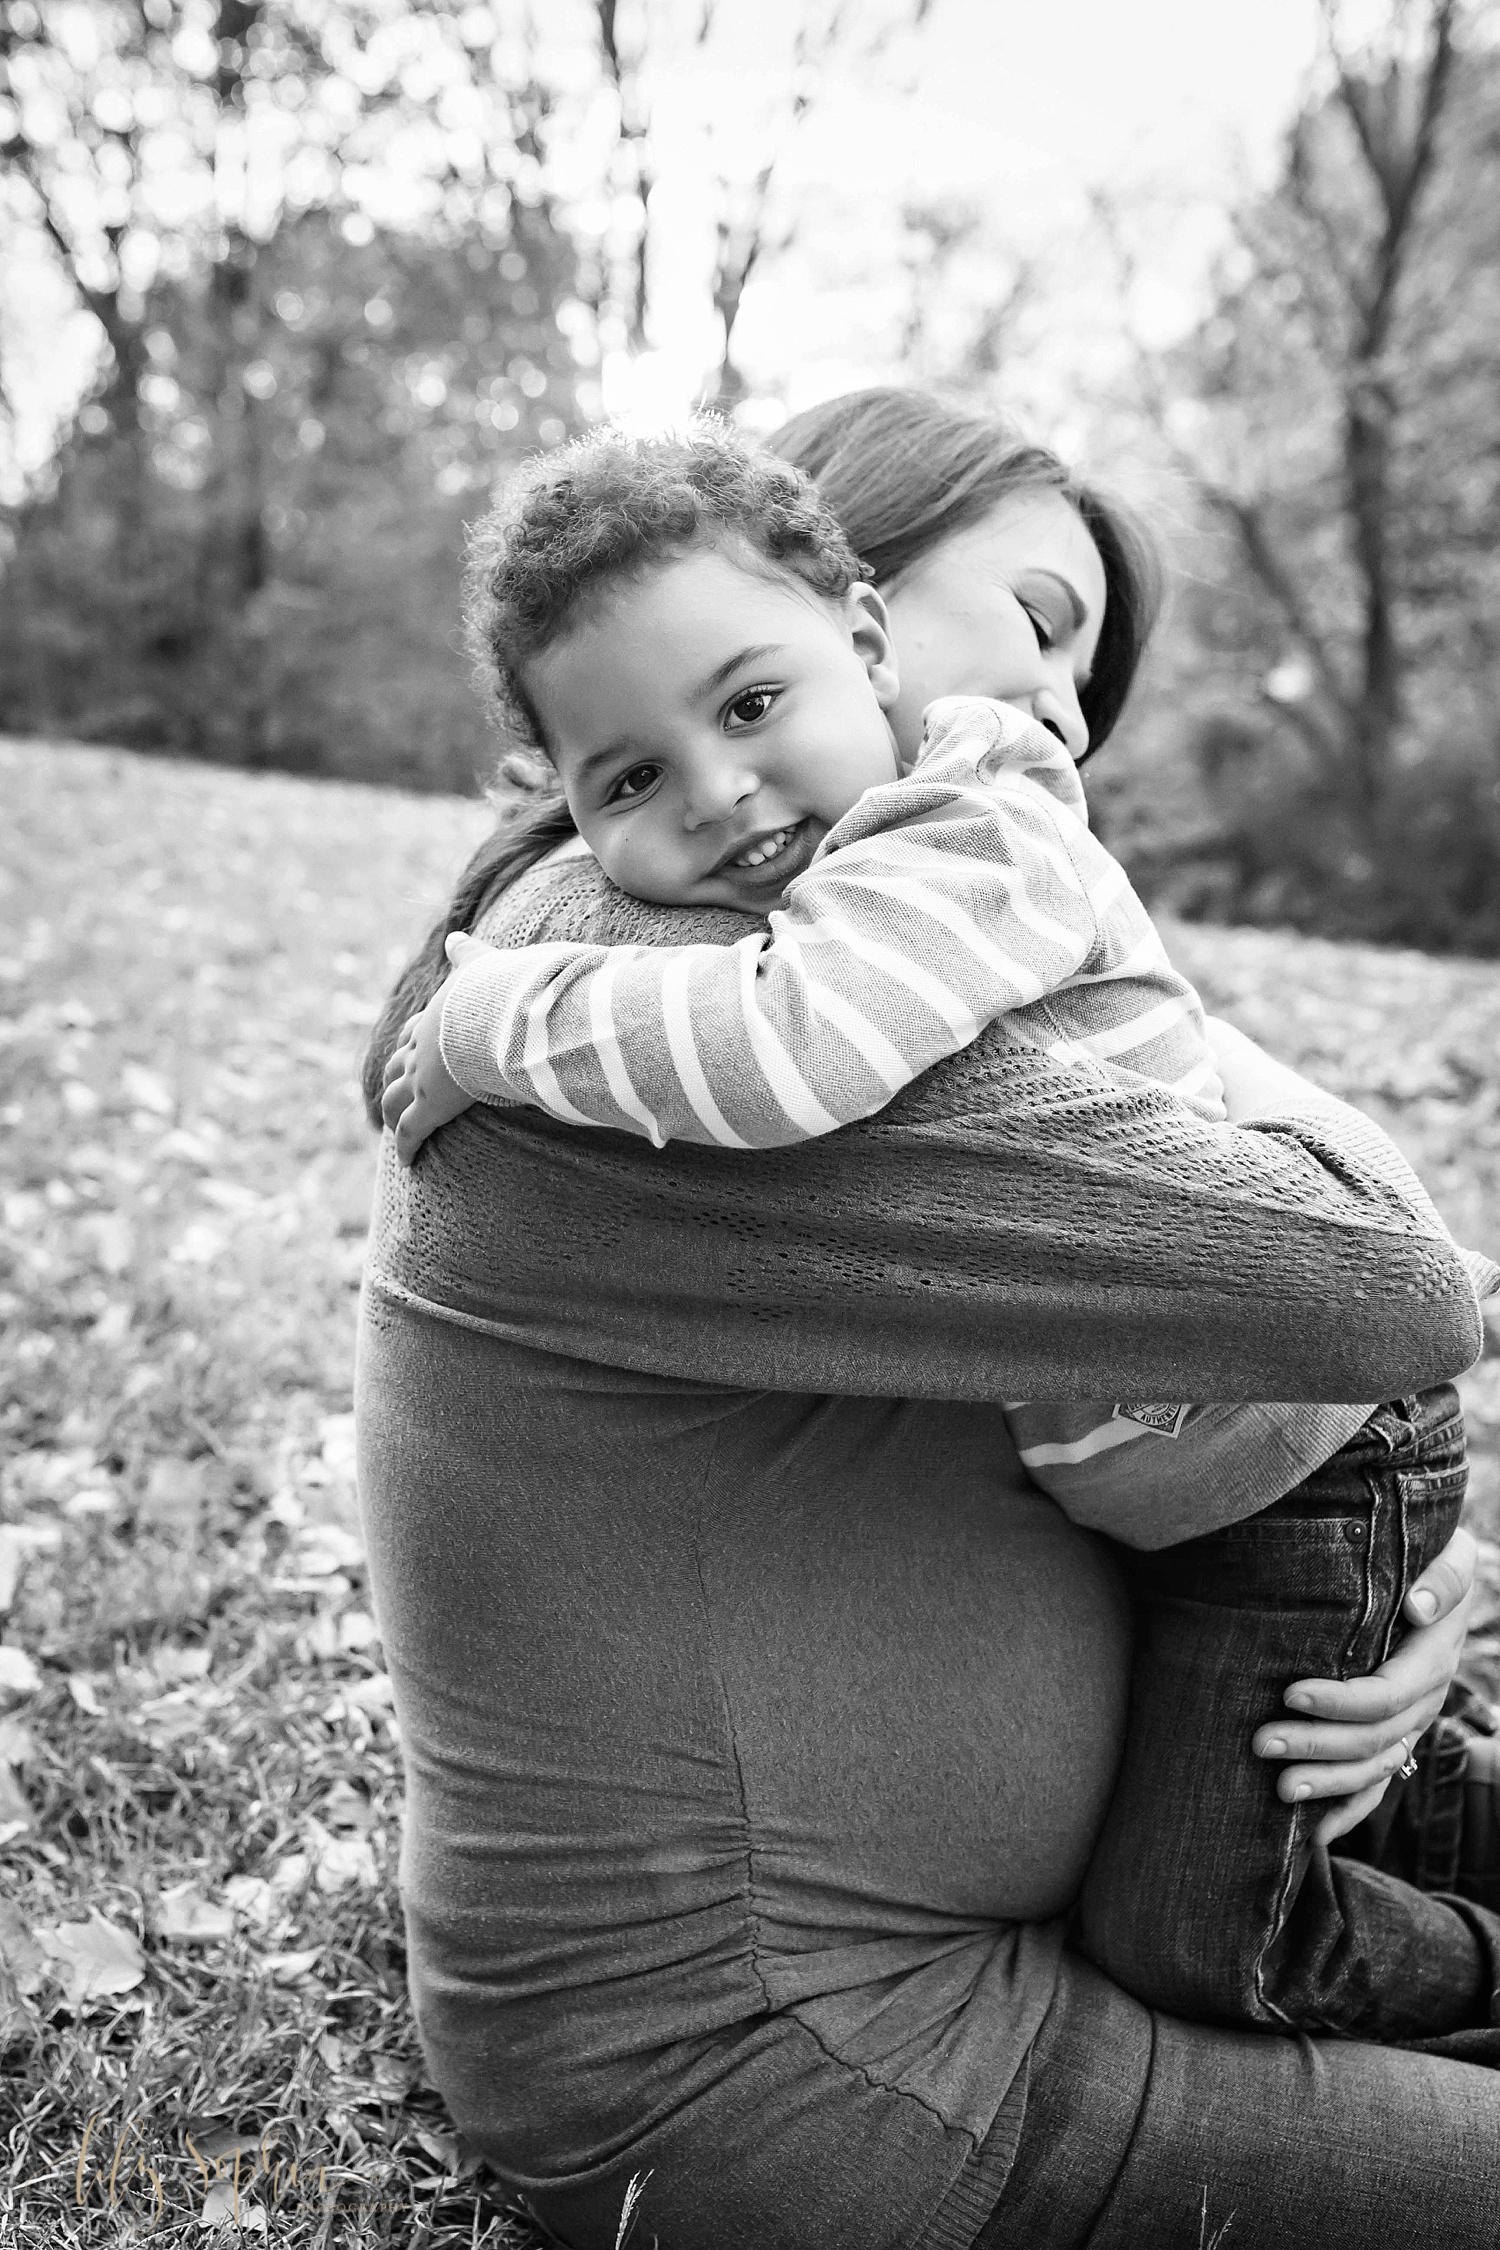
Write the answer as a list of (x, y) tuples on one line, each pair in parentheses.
[(1041, 626), (635, 782), (750, 707)]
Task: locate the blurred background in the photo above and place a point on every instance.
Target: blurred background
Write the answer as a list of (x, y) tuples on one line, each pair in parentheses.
[(286, 284)]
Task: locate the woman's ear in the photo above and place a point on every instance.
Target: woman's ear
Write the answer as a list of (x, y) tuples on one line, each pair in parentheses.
[(870, 631)]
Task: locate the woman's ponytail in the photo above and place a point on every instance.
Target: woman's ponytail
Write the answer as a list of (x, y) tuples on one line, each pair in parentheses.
[(522, 838)]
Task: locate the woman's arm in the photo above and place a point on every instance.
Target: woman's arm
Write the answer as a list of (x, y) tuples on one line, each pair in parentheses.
[(1002, 1230), (942, 900)]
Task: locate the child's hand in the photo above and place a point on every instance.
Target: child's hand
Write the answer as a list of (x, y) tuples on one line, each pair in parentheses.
[(420, 1095)]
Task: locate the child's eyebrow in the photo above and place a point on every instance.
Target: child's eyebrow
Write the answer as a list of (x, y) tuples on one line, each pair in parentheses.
[(754, 654)]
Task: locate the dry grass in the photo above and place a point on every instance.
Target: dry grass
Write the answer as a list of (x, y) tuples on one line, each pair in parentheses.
[(207, 1763)]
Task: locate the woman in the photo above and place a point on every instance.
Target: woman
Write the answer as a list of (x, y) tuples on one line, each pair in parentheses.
[(757, 1738)]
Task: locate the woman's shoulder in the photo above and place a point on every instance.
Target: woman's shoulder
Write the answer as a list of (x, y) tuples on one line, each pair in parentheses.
[(567, 897)]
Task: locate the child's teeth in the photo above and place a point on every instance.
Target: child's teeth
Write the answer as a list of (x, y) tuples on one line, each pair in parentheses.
[(760, 853)]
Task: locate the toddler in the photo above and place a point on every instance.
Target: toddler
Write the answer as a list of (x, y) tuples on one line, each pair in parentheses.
[(681, 627)]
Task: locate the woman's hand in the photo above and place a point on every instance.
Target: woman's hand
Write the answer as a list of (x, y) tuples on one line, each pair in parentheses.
[(1358, 1732), (420, 1094)]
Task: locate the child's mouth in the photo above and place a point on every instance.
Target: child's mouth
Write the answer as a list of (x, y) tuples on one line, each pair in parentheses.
[(768, 848)]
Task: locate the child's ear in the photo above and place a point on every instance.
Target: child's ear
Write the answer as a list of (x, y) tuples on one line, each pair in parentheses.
[(870, 631)]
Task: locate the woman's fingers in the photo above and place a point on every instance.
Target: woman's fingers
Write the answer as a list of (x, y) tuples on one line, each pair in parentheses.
[(1346, 1746), (1342, 1818), (1360, 1774), (1447, 1581)]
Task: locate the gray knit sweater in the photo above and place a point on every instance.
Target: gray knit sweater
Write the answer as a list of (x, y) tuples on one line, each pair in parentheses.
[(994, 1232)]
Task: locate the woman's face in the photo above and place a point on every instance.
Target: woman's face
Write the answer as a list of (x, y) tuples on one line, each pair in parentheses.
[(1010, 608)]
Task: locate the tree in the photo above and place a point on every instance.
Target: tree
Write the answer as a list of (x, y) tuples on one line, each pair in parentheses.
[(1334, 416), (293, 406)]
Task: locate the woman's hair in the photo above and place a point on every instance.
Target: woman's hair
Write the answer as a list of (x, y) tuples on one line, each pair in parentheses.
[(903, 473), (575, 523)]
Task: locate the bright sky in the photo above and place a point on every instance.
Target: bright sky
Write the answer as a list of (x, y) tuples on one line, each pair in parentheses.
[(1019, 108)]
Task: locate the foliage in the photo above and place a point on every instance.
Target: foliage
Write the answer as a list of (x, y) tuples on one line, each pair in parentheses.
[(1335, 678), (264, 567), (249, 543), (199, 1770)]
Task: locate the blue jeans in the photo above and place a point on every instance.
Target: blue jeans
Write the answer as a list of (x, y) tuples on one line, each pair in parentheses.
[(1205, 1895), (1145, 2133)]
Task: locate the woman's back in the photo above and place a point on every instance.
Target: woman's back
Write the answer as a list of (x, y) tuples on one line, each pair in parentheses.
[(746, 1702)]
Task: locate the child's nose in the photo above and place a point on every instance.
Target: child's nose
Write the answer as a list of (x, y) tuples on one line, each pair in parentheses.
[(713, 789)]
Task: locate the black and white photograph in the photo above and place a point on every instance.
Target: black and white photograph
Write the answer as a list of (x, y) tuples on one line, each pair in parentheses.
[(750, 1124)]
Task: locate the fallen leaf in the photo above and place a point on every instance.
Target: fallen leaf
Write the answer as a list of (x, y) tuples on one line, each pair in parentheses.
[(19, 1677), (180, 1664), (112, 1238), (287, 1967), (223, 2205), (215, 2140), (347, 1810), (94, 1500), (252, 1897), (20, 1954), (93, 1957), (357, 1630), (341, 1860), (16, 1745), (185, 1914), (373, 1694), (174, 1495), (147, 1089), (441, 2147), (12, 1555), (82, 1690), (15, 1811), (325, 1547)]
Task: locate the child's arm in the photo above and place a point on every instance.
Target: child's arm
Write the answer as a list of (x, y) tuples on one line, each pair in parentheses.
[(940, 902)]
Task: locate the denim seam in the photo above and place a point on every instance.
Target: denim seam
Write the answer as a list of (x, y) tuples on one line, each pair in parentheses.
[(752, 1912), (1302, 1818)]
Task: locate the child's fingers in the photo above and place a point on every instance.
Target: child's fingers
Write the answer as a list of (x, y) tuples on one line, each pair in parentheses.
[(411, 1132), (400, 1058), (399, 1095)]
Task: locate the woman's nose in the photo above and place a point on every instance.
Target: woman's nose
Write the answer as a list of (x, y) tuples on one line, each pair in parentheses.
[(1057, 708), (713, 787)]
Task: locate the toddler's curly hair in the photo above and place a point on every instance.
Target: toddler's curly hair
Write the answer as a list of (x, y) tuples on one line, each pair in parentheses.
[(608, 507)]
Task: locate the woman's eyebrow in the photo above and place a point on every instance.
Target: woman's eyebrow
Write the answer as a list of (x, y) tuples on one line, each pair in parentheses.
[(1077, 607)]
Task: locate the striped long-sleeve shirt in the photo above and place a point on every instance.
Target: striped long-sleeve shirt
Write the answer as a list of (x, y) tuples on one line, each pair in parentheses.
[(968, 891)]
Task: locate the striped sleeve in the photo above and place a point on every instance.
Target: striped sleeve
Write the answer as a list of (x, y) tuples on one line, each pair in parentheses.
[(1153, 1474), (940, 902), (968, 889)]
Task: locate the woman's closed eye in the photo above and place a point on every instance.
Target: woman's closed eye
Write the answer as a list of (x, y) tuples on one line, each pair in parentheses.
[(749, 707), (1042, 626), (636, 781)]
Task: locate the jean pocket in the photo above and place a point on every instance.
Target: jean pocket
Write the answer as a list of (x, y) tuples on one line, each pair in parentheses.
[(1269, 1562)]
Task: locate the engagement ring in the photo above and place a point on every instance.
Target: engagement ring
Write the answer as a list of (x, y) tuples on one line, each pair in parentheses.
[(1408, 1765)]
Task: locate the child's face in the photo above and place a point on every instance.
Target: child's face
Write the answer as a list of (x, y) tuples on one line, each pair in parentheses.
[(710, 726), (1010, 608)]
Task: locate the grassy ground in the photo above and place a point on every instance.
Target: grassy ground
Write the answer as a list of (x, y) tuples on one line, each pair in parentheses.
[(200, 1955)]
